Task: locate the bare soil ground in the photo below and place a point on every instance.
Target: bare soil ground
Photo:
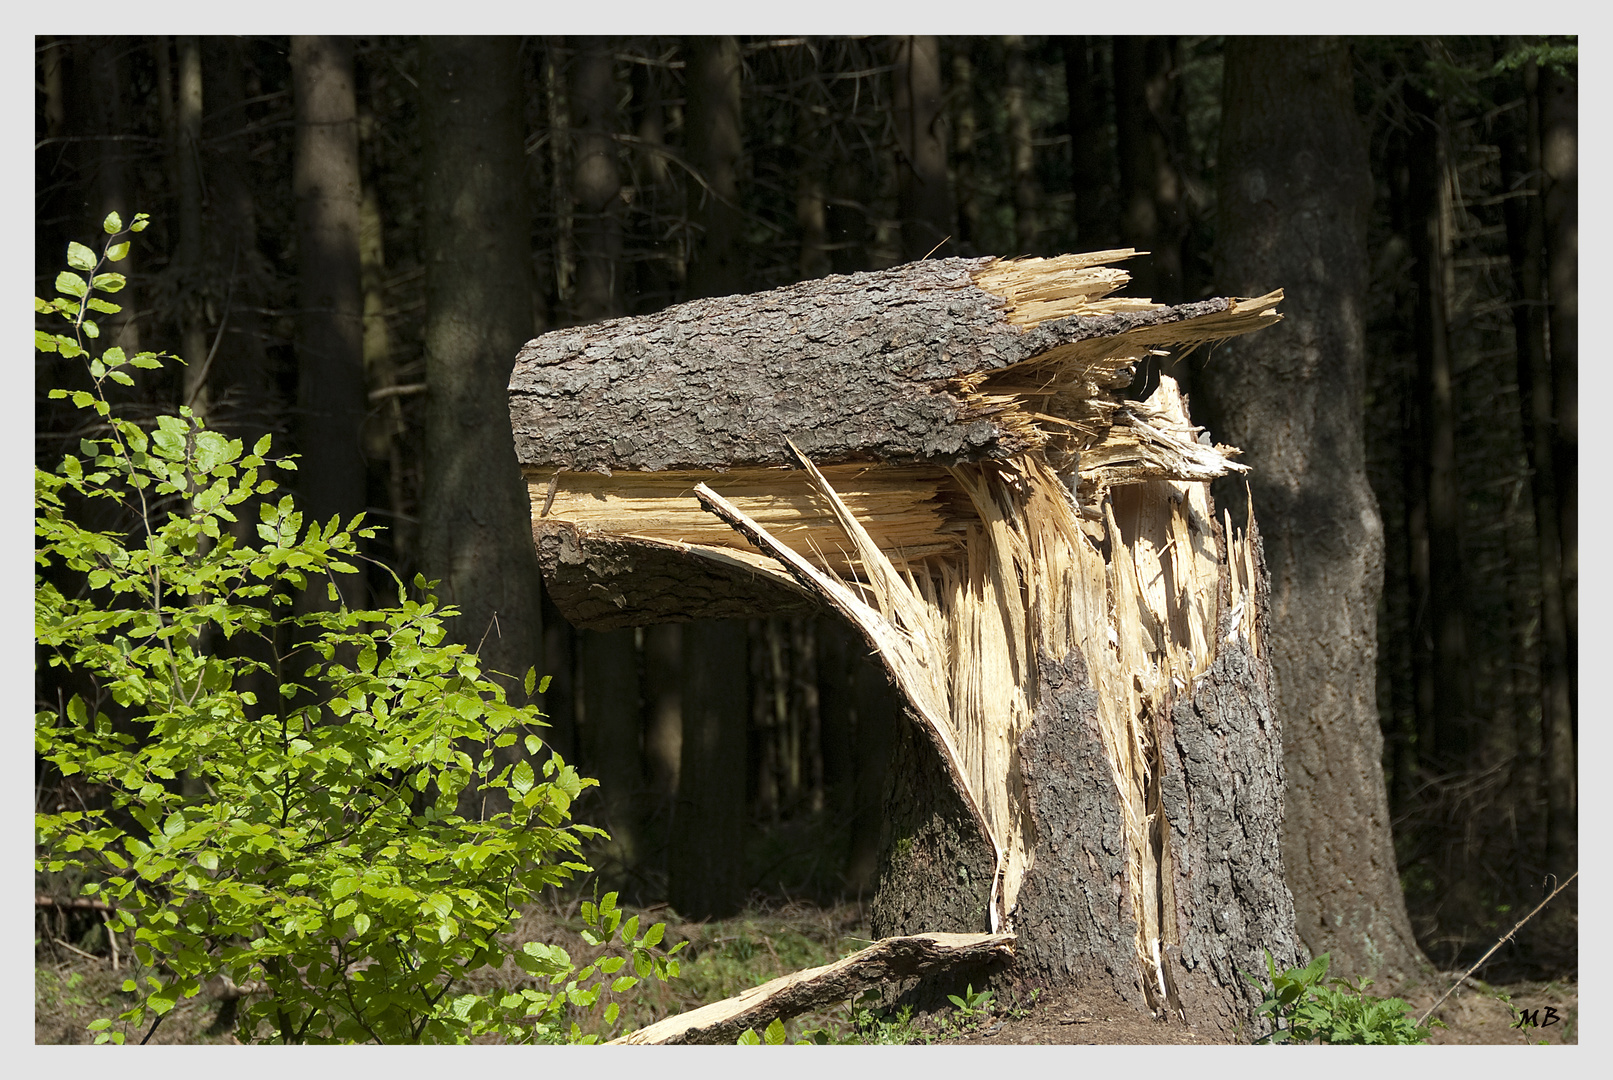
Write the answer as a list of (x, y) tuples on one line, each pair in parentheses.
[(724, 958)]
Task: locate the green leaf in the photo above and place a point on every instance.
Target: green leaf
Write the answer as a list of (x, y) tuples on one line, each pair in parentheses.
[(80, 257), (109, 283), (113, 224), (775, 1033), (749, 1038), (118, 252), (70, 284)]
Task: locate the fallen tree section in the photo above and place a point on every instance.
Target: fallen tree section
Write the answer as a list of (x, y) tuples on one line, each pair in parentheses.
[(790, 995)]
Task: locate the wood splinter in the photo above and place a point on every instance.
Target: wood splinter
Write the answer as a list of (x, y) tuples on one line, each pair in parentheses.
[(790, 995)]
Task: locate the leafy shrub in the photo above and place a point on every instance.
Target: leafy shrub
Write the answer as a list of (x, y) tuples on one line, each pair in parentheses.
[(1304, 1009), (285, 816)]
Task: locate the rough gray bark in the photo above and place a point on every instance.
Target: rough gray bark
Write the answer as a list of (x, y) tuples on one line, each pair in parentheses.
[(1293, 200), (1222, 793), (331, 400), (602, 582), (476, 536), (719, 383)]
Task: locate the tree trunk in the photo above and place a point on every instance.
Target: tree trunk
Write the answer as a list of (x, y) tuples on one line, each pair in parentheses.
[(712, 121), (240, 381), (1021, 151), (596, 183), (705, 864), (1525, 223), (1090, 164), (331, 397), (190, 252), (1559, 123), (1293, 201), (1430, 213), (473, 537), (1075, 648), (609, 748), (924, 202), (1150, 189)]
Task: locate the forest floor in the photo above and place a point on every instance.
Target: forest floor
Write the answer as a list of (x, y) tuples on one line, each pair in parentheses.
[(771, 939)]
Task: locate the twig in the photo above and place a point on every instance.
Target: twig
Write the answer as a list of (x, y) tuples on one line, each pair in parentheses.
[(77, 902), (81, 952), (1466, 974), (111, 938)]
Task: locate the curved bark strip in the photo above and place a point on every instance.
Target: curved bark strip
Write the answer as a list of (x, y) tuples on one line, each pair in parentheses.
[(790, 995), (1036, 561)]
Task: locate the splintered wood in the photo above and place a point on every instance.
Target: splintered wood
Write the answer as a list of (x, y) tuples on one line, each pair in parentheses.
[(965, 578)]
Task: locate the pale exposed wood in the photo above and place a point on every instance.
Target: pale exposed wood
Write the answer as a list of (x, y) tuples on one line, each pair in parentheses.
[(790, 995)]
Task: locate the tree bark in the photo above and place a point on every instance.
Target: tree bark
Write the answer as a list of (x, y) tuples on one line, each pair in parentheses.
[(1293, 198), (331, 398), (924, 201), (475, 538)]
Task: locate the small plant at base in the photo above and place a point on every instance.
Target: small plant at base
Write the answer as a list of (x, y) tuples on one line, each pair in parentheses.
[(288, 820), (972, 1004), (1304, 1009)]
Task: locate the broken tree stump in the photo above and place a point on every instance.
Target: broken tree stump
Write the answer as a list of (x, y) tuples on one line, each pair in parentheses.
[(937, 453)]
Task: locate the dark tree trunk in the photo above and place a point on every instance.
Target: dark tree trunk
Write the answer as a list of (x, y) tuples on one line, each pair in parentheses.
[(609, 750), (112, 186), (1293, 198), (966, 134), (1559, 150), (1090, 164), (240, 380), (1525, 223), (331, 397), (712, 123), (1150, 189), (596, 182), (1021, 150), (924, 202), (1453, 721), (663, 708), (706, 860), (189, 267), (475, 536)]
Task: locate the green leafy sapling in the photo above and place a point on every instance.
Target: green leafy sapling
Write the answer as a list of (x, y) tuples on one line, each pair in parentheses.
[(284, 811)]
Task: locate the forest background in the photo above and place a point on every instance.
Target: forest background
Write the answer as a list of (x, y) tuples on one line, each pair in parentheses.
[(298, 216)]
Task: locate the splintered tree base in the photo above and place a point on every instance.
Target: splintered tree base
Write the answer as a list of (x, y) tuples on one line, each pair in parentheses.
[(936, 453)]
